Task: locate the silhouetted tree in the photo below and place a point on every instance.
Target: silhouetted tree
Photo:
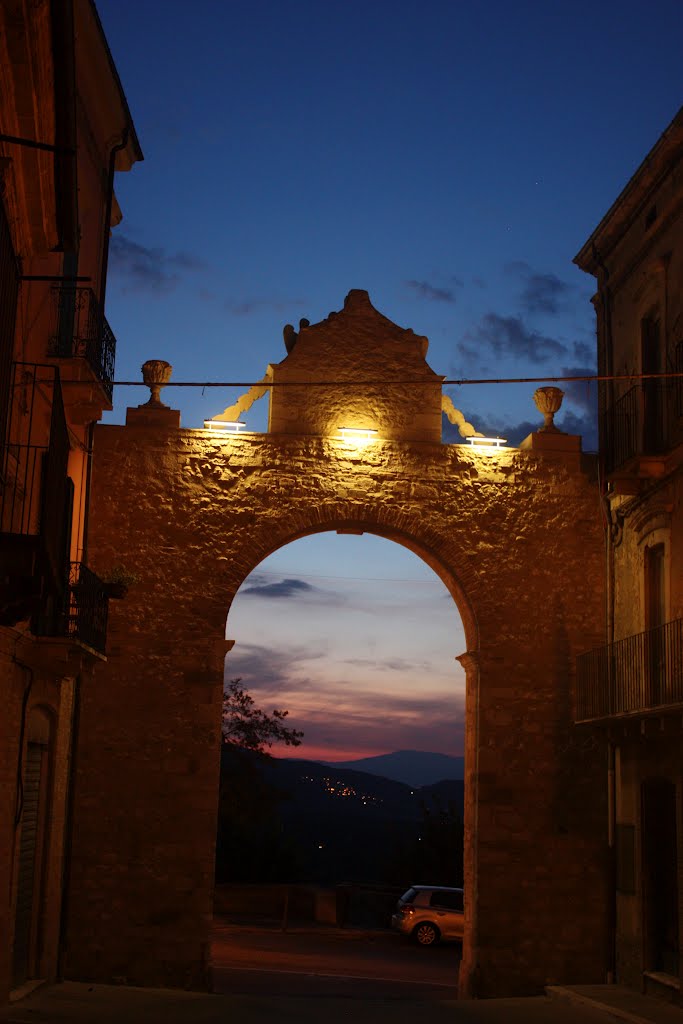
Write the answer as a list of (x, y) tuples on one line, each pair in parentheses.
[(250, 845), (246, 726), (439, 850)]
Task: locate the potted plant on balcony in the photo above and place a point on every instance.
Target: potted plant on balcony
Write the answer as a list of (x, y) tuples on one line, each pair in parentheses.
[(117, 581)]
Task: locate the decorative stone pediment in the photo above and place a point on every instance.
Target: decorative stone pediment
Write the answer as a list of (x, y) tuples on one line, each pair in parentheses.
[(375, 376)]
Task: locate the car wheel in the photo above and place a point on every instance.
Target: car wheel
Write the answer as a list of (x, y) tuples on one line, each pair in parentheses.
[(426, 934)]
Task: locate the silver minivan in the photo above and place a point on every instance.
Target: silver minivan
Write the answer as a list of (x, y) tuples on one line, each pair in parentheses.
[(429, 914)]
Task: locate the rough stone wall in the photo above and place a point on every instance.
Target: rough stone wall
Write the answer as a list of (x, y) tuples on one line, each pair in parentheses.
[(518, 542), (394, 390)]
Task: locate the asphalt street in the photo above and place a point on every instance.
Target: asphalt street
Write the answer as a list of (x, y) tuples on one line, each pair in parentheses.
[(311, 975)]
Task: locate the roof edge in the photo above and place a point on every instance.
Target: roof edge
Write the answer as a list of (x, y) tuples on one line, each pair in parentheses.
[(133, 140), (656, 160)]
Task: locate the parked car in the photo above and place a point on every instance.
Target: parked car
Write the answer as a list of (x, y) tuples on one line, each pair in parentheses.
[(430, 914)]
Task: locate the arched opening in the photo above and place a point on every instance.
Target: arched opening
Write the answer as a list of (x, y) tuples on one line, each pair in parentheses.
[(355, 636), (517, 542)]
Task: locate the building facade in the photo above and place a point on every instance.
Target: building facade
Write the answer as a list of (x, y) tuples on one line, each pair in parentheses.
[(633, 686), (65, 130)]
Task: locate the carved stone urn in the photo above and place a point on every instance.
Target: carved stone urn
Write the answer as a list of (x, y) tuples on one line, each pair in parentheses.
[(156, 374), (548, 401)]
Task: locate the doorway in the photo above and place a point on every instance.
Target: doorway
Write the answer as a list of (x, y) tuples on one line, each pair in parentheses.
[(660, 876), (33, 817)]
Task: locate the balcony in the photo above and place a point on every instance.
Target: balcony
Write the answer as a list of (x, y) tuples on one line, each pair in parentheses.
[(82, 613), (637, 676), (36, 494), (79, 330), (644, 423)]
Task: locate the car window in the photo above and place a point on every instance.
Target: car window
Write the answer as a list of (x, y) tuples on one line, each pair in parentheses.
[(448, 900), (408, 896)]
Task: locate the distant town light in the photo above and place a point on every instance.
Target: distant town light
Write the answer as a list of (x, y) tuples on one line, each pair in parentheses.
[(224, 426), (487, 444), (359, 435)]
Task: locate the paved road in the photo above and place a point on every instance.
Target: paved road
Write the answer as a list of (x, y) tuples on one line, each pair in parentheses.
[(305, 977), (248, 959)]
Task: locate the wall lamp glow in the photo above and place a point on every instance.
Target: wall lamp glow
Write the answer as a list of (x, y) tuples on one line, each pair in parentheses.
[(359, 435), (487, 444), (224, 426)]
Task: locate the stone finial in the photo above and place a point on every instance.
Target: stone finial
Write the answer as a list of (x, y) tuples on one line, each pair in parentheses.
[(548, 401), (290, 336), (156, 374)]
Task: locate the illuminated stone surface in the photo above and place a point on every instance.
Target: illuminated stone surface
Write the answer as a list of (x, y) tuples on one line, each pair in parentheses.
[(357, 344), (517, 539)]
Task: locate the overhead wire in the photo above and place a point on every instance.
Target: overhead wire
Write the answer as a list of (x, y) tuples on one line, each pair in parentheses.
[(455, 381)]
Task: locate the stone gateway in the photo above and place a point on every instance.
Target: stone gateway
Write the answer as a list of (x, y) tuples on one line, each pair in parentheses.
[(517, 538)]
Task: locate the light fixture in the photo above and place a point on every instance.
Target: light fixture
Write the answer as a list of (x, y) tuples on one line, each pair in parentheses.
[(487, 444), (224, 426), (359, 435)]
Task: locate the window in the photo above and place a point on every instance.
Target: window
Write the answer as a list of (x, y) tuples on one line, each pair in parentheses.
[(447, 900), (655, 589), (653, 391)]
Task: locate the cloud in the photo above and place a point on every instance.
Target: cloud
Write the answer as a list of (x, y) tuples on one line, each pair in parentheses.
[(382, 726), (186, 261), (508, 336), (583, 394), (515, 431), (248, 306), (495, 426), (149, 269), (586, 426), (390, 664), (425, 290), (270, 670), (585, 353), (337, 718), (541, 293), (285, 588)]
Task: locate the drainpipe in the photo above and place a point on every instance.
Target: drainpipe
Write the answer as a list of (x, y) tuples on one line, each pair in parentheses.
[(605, 338), (62, 947), (611, 866)]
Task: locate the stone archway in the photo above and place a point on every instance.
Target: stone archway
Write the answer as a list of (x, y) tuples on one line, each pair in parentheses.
[(517, 539), (344, 517)]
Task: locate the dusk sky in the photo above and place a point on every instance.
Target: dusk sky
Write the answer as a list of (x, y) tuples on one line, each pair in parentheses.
[(448, 157)]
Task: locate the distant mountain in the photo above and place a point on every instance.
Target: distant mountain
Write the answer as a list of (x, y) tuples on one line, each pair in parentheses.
[(412, 767), (286, 819)]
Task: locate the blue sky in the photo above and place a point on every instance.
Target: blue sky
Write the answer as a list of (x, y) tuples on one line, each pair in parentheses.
[(448, 157)]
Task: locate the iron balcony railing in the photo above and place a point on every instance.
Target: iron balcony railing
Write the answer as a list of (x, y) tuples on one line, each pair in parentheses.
[(80, 329), (82, 613), (641, 422), (637, 675), (35, 491), (646, 420), (9, 291)]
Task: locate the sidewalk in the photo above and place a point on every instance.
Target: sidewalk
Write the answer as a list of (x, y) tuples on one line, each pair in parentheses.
[(618, 1003), (79, 1003)]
